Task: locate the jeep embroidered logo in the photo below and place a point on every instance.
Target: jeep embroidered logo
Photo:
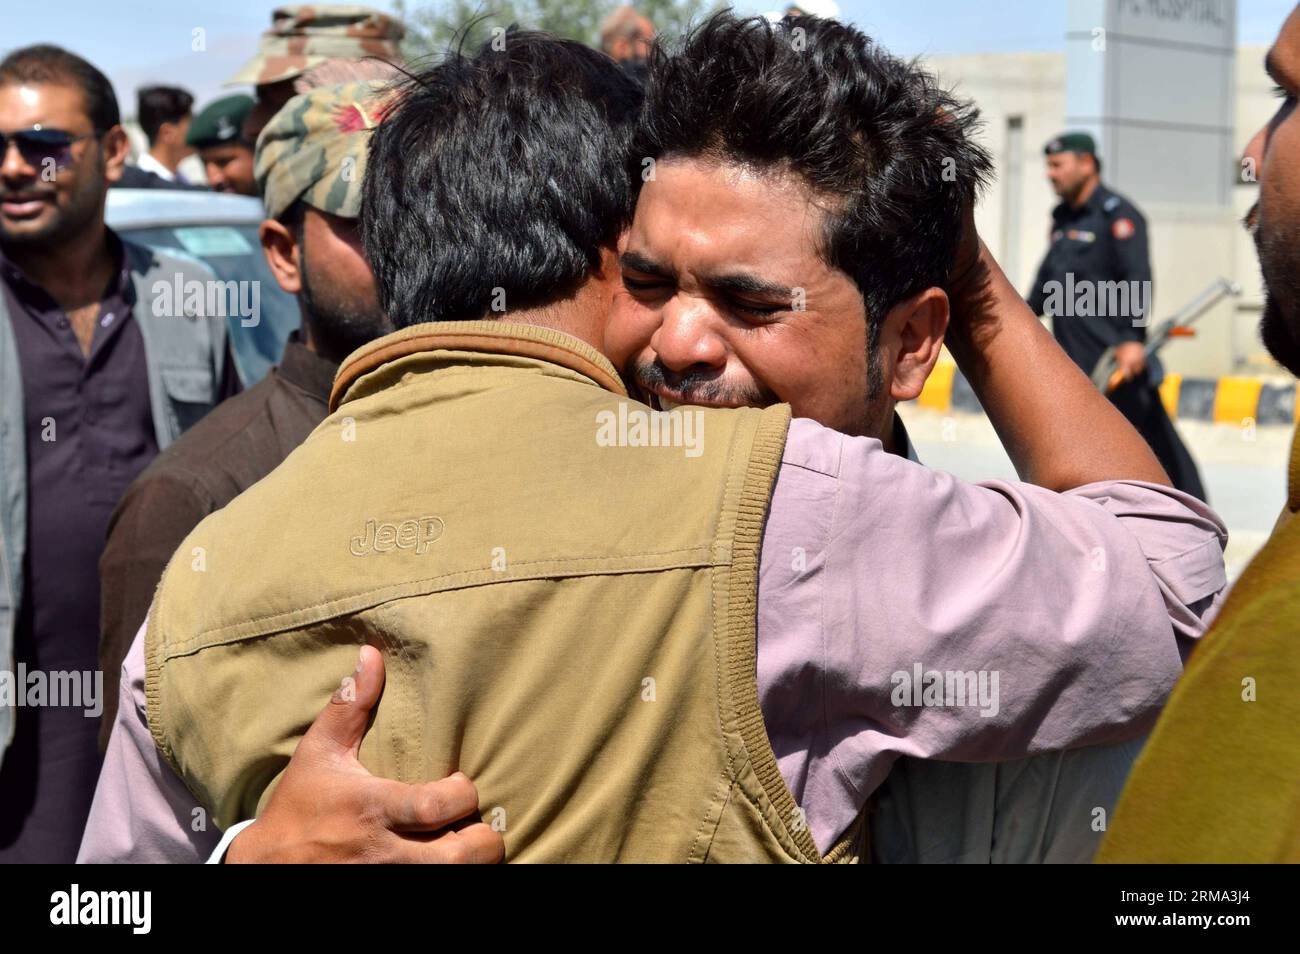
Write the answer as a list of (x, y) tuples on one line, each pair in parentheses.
[(416, 534)]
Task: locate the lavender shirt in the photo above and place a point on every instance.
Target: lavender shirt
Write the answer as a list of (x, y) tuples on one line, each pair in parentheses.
[(1084, 605)]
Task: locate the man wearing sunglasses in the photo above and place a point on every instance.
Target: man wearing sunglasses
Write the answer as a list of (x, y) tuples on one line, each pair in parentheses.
[(96, 376)]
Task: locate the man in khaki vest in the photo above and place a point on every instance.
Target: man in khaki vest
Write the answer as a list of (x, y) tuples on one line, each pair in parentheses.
[(310, 165), (564, 585)]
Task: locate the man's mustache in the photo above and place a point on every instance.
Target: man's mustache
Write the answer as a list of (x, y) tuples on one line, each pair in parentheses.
[(697, 387), (25, 192)]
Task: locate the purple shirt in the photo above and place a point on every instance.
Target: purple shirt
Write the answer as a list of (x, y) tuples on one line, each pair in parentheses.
[(1083, 603)]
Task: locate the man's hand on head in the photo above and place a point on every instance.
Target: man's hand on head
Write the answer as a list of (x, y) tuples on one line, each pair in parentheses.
[(974, 315), (1058, 429), (328, 808)]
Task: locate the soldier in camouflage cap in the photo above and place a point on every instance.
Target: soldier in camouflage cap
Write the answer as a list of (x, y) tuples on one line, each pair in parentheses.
[(310, 163), (306, 36), (314, 149)]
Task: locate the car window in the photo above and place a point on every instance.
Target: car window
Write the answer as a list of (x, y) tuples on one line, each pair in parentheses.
[(234, 253)]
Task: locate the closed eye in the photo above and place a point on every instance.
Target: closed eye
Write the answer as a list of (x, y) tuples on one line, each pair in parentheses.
[(760, 309), (641, 284)]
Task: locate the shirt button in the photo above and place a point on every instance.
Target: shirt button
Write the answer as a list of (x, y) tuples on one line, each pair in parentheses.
[(63, 323)]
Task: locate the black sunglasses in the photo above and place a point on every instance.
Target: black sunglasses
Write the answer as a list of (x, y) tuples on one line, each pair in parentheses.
[(38, 144)]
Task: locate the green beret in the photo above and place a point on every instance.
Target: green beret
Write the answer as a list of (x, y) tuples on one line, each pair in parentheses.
[(314, 149), (220, 122), (1072, 142)]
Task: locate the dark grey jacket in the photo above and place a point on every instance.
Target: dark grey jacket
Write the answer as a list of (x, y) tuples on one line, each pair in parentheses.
[(185, 356)]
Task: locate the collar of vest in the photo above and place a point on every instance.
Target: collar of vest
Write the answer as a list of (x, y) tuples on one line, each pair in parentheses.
[(487, 337)]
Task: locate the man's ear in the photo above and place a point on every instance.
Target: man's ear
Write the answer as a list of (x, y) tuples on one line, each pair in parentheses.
[(610, 269), (610, 279), (116, 147), (913, 337), (281, 250)]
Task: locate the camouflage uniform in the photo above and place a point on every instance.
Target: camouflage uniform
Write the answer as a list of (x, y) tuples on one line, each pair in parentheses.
[(305, 36), (314, 149)]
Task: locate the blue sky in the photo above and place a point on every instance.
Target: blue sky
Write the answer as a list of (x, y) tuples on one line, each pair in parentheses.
[(140, 41)]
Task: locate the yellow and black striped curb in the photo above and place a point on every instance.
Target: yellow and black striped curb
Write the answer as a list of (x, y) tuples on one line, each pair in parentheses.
[(1221, 400)]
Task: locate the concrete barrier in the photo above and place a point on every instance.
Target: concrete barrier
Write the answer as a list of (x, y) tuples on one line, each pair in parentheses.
[(1228, 400)]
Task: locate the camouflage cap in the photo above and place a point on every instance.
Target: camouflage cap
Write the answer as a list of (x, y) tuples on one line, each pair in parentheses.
[(305, 36), (314, 149), (219, 122)]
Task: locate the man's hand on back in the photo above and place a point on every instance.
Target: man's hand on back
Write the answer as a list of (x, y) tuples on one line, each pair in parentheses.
[(328, 808)]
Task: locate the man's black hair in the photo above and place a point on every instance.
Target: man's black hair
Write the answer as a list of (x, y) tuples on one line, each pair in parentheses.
[(156, 105), (502, 170), (889, 152), (45, 63)]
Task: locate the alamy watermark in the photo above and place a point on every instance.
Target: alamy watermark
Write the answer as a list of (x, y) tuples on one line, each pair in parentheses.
[(1091, 299), (947, 688), (75, 906), (634, 426), (59, 688), (209, 299)]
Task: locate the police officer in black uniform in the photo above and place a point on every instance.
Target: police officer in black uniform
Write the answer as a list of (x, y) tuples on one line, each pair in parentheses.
[(1100, 237)]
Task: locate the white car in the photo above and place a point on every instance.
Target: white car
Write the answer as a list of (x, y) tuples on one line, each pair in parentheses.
[(221, 231)]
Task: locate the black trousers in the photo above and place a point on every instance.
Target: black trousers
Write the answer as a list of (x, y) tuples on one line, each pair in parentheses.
[(1140, 402)]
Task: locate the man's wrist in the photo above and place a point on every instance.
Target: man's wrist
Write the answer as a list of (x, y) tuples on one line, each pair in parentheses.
[(982, 302), (231, 849)]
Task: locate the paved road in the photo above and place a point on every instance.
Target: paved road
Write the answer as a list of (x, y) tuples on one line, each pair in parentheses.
[(1244, 471)]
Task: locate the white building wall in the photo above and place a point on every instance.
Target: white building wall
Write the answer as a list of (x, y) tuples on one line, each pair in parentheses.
[(1190, 246)]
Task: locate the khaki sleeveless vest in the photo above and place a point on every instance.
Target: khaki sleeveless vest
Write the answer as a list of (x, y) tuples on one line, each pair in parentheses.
[(566, 614)]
